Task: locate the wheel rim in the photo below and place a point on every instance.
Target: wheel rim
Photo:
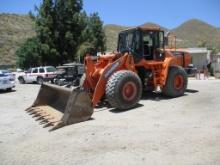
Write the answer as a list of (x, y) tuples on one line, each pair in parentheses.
[(178, 82), (21, 80), (40, 81), (129, 91)]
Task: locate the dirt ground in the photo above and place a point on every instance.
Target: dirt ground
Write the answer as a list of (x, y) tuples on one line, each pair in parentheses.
[(184, 130)]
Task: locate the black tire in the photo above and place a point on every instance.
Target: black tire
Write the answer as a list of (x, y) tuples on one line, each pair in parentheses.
[(40, 80), (52, 81), (21, 80), (115, 90), (9, 89), (171, 89)]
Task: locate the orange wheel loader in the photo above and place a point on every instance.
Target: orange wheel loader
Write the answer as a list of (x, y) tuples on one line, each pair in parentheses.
[(141, 64)]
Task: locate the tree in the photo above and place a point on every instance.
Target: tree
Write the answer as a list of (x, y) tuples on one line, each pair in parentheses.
[(45, 30), (84, 48), (28, 54), (59, 25), (70, 22), (63, 31), (31, 15), (94, 33)]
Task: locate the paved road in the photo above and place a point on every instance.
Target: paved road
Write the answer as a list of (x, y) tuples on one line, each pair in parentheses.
[(183, 130)]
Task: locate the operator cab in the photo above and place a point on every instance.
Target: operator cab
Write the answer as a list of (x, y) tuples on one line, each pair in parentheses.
[(143, 42)]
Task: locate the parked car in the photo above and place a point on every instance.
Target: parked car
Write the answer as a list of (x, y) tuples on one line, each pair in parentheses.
[(69, 74), (8, 73), (6, 83), (38, 75)]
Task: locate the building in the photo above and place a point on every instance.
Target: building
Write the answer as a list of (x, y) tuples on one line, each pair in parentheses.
[(200, 57)]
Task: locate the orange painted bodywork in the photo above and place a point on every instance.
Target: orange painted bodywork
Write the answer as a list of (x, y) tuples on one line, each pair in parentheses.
[(99, 69)]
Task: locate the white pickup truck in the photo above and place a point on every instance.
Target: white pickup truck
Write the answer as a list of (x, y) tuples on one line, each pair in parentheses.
[(39, 75)]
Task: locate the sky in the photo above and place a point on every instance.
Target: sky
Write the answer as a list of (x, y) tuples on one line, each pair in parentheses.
[(167, 13)]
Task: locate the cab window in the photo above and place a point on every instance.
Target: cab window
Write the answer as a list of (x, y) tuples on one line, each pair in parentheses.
[(148, 39), (41, 70), (35, 70), (129, 41), (125, 41), (161, 38)]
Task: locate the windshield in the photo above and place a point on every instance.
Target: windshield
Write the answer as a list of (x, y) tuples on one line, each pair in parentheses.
[(129, 41), (125, 41), (51, 69)]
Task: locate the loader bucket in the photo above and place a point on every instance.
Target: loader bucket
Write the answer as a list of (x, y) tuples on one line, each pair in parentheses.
[(57, 106)]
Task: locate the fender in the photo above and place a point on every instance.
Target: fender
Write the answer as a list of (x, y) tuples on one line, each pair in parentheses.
[(125, 62), (169, 61)]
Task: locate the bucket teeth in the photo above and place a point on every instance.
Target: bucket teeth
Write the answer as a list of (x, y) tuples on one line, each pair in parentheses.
[(42, 116), (39, 113), (43, 121), (36, 115), (28, 109), (51, 123), (32, 109), (57, 125), (46, 119), (39, 118), (47, 125), (33, 112)]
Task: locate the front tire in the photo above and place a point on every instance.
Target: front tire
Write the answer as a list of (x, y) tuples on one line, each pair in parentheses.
[(176, 82), (40, 80), (9, 89), (21, 80), (123, 90)]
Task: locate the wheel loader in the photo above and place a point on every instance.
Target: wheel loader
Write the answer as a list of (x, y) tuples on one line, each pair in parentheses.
[(141, 64)]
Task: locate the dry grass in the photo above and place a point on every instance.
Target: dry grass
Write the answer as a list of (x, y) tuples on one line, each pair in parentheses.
[(14, 30)]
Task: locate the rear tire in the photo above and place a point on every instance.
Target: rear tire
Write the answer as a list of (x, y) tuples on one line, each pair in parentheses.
[(21, 80), (123, 90), (40, 80), (176, 82)]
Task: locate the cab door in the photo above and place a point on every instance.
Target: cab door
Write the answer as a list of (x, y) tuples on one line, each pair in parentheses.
[(153, 45)]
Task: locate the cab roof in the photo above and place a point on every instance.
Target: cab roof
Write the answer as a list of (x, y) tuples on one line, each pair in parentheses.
[(145, 27)]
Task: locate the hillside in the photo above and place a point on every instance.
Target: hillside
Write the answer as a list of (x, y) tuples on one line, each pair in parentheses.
[(189, 34), (111, 32), (14, 29), (194, 31)]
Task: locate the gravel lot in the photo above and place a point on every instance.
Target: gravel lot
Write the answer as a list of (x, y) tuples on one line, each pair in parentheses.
[(184, 130)]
